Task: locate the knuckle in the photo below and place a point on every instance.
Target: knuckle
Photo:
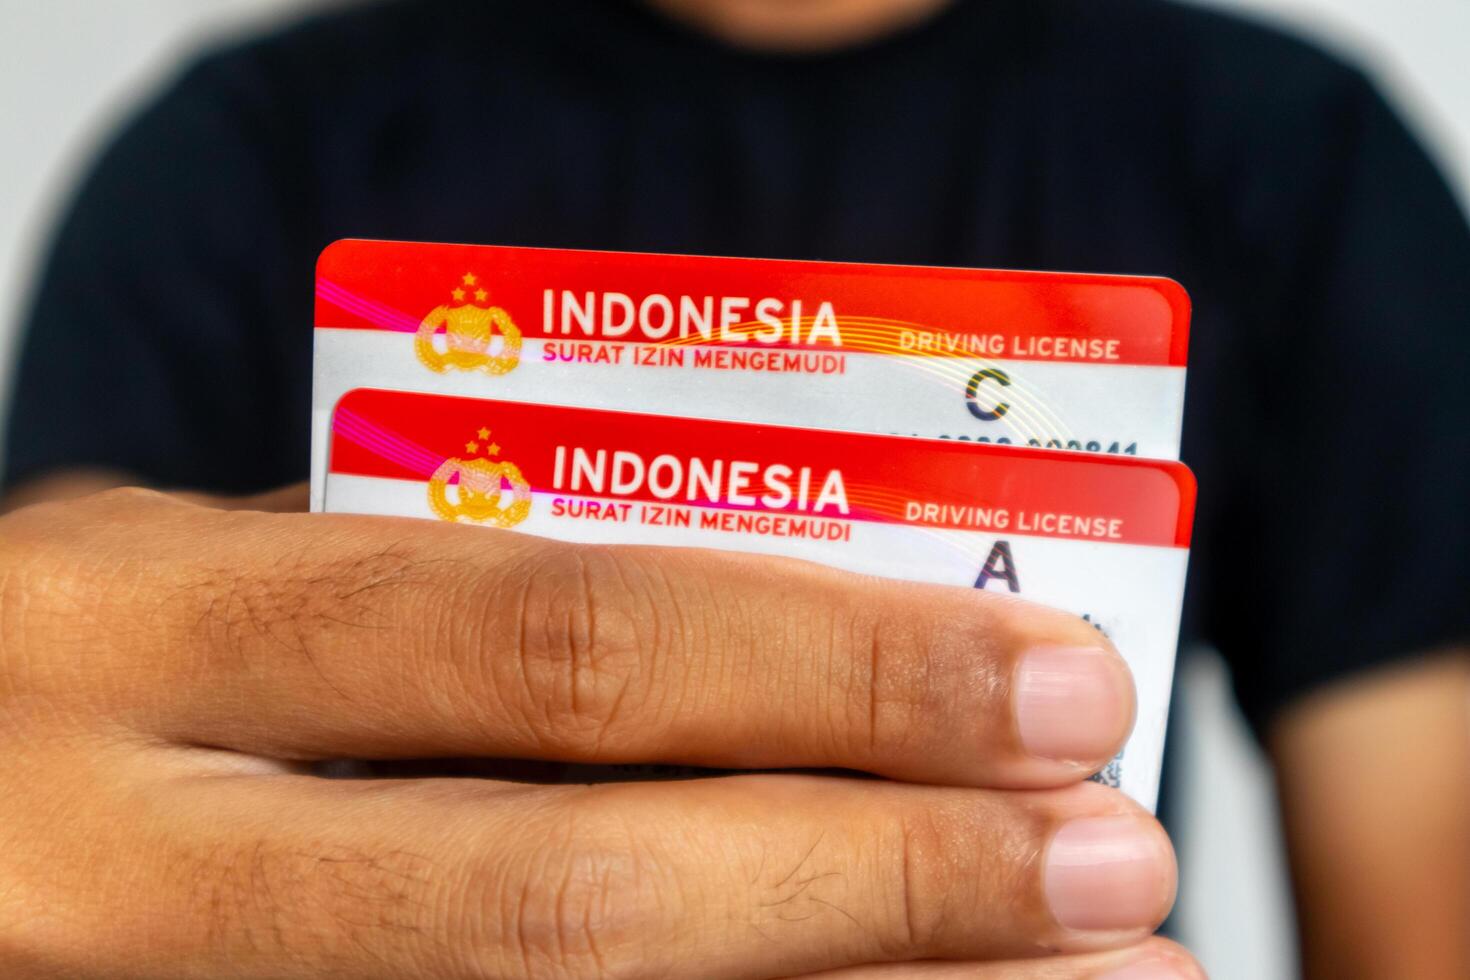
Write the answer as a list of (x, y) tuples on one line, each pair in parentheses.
[(590, 900), (917, 888), (944, 860), (583, 630), (901, 689), (936, 862)]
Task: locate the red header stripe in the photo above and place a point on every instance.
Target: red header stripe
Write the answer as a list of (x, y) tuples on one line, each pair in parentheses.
[(407, 435), (923, 310)]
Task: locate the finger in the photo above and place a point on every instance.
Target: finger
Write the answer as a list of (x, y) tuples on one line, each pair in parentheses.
[(758, 876), (308, 636), (439, 642), (1154, 959)]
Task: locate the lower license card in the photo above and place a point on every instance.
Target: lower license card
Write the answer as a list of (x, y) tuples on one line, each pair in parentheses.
[(1104, 537)]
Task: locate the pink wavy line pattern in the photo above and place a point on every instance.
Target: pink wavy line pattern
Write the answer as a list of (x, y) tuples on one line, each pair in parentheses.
[(381, 442), (416, 459), (379, 315)]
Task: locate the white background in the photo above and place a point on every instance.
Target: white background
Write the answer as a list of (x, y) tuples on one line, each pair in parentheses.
[(67, 66)]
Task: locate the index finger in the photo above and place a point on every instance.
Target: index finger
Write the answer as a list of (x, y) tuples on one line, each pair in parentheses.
[(326, 636)]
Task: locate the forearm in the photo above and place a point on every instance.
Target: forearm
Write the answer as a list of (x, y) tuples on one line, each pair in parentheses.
[(1375, 793)]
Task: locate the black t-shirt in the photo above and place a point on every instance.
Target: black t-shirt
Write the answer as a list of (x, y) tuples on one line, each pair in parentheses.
[(1329, 266)]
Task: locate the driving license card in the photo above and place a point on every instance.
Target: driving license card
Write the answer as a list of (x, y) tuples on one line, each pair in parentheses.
[(1081, 362), (1105, 537)]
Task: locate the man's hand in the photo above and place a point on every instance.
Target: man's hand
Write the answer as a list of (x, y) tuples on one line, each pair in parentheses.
[(168, 669)]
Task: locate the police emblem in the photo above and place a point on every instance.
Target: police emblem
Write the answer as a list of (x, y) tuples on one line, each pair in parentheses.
[(469, 334), (480, 486)]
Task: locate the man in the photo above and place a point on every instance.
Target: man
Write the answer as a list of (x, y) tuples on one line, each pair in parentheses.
[(177, 663)]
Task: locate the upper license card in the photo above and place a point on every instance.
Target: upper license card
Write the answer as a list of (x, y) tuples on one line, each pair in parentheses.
[(1104, 537), (1049, 360)]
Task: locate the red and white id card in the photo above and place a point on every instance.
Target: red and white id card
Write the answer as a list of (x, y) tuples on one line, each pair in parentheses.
[(1048, 360), (1105, 537)]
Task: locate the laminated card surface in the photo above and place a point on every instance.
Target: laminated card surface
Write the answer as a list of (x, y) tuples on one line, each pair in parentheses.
[(1105, 537), (1049, 360)]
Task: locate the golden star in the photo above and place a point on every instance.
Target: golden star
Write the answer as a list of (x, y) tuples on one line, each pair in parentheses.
[(484, 433), (493, 449), (458, 295), (472, 447), (469, 279), (481, 295)]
